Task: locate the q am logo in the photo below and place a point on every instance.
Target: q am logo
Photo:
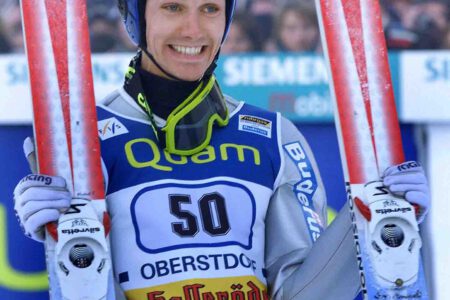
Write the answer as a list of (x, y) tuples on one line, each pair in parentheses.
[(12, 279)]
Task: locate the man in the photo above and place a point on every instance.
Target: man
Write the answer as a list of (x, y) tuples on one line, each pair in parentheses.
[(209, 198)]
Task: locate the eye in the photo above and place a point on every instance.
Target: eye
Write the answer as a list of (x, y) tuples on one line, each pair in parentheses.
[(172, 7), (210, 8)]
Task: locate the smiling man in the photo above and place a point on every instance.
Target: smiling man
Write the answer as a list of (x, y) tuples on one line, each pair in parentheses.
[(209, 197)]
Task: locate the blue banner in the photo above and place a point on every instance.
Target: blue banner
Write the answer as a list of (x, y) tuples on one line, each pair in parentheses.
[(294, 84)]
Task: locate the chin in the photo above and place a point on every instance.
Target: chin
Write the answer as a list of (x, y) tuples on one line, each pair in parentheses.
[(189, 76)]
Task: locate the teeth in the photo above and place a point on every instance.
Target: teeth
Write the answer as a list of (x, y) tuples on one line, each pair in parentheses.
[(188, 50)]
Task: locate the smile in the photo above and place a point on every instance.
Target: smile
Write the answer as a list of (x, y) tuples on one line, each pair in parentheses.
[(187, 50)]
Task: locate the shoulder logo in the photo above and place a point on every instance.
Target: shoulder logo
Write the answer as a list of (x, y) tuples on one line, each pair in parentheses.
[(109, 128), (255, 125), (306, 187)]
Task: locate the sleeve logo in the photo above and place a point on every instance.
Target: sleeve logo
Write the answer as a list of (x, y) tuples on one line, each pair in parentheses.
[(109, 128), (305, 188), (255, 125)]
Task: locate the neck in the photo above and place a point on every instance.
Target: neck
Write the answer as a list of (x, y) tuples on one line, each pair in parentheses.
[(165, 94)]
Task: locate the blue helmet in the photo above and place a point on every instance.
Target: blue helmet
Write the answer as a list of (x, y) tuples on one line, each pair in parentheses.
[(133, 10)]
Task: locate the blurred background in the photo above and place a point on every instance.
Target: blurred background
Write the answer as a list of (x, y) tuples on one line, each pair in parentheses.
[(268, 26), (272, 58)]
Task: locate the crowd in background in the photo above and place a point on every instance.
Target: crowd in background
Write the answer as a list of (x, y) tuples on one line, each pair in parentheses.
[(261, 26)]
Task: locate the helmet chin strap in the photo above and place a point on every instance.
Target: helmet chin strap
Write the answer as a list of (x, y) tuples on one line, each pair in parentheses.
[(207, 73), (149, 55)]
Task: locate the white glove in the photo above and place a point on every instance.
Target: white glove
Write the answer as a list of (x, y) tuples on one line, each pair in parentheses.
[(408, 180), (40, 199)]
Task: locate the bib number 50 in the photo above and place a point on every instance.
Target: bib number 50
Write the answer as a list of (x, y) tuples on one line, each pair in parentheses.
[(213, 215)]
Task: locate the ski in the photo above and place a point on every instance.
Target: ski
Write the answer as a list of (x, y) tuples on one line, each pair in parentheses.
[(66, 141), (385, 228)]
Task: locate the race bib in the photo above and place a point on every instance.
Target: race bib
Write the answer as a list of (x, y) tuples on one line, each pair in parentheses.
[(179, 215)]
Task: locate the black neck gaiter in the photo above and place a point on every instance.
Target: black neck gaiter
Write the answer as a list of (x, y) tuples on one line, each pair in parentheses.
[(162, 95)]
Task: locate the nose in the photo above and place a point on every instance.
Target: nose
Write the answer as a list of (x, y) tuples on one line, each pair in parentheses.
[(192, 25)]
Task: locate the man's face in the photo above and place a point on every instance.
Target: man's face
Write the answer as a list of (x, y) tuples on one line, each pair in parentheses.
[(183, 35)]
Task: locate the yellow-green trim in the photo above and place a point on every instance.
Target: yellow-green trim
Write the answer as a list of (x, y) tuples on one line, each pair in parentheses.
[(12, 279), (192, 101), (331, 215), (182, 110), (215, 117), (197, 95)]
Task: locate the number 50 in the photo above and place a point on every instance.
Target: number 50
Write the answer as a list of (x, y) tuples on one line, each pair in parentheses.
[(213, 215)]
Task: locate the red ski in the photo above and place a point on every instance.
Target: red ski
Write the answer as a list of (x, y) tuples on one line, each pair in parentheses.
[(385, 228), (65, 131)]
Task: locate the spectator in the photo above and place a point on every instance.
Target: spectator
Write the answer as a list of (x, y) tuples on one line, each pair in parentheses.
[(415, 25), (4, 43), (106, 28), (446, 39), (263, 11), (438, 12), (243, 35), (12, 27), (296, 29), (102, 24)]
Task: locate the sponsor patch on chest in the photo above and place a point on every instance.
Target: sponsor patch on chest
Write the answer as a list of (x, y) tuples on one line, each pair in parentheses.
[(255, 125), (109, 128)]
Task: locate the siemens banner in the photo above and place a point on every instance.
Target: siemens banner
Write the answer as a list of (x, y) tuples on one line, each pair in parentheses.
[(296, 85)]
